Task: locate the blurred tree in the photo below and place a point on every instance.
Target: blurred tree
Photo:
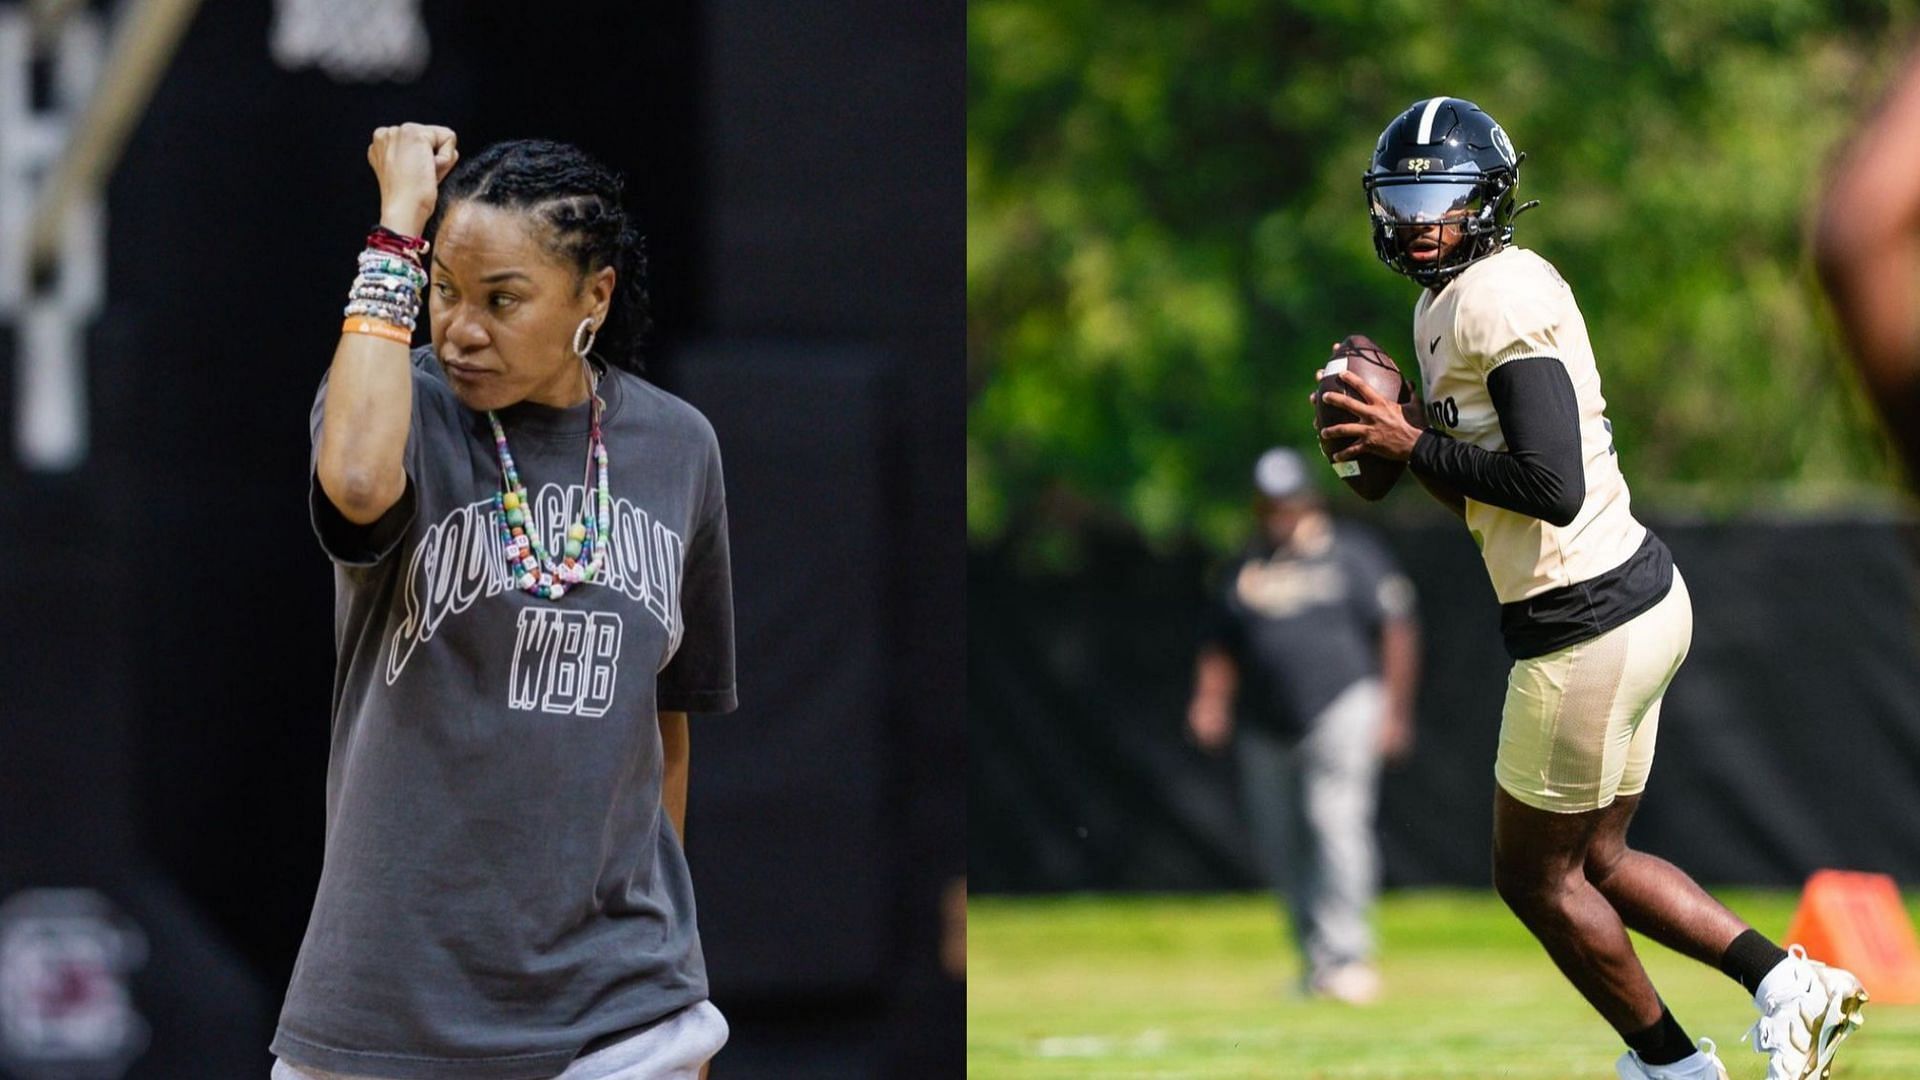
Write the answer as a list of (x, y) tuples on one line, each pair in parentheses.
[(1166, 232)]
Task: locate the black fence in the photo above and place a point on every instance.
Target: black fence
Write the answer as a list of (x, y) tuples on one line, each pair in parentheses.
[(1790, 740)]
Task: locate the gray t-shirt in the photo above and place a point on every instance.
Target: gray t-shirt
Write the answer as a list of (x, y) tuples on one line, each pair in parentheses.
[(501, 884)]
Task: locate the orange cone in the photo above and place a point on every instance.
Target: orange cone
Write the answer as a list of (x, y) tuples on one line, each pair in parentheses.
[(1856, 921)]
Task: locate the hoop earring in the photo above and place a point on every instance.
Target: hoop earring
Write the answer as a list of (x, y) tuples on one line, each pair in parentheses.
[(592, 331)]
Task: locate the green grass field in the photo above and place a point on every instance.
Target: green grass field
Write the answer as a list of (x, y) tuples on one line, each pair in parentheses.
[(1201, 986)]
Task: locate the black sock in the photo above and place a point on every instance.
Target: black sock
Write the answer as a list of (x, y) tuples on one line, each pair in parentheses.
[(1662, 1044), (1749, 959)]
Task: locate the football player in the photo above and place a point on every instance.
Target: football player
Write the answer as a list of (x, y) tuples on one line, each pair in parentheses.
[(1593, 611)]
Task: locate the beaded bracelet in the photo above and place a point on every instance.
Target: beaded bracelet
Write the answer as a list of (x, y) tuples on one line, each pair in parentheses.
[(392, 270), (386, 294), (389, 250), (403, 293), (378, 328), (384, 280), (390, 282), (402, 311), (410, 247), (387, 288), (389, 263), (388, 313)]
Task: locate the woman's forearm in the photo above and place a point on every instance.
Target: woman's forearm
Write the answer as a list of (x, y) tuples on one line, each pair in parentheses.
[(363, 434), (675, 751), (361, 455)]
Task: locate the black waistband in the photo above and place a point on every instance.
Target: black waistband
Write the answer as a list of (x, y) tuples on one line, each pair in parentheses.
[(1584, 610)]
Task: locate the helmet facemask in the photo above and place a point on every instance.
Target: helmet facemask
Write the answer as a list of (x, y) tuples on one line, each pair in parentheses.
[(1407, 207)]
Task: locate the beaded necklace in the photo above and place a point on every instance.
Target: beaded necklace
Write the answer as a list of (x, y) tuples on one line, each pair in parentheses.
[(584, 553)]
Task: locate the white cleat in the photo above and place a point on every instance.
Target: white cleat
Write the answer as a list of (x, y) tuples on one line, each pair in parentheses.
[(1806, 1009), (1704, 1065)]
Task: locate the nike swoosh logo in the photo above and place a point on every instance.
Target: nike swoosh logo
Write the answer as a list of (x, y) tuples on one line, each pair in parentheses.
[(1432, 345)]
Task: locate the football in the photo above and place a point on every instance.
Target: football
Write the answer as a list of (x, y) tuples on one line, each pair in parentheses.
[(1370, 476)]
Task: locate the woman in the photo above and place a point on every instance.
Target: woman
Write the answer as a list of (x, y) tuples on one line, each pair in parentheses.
[(530, 550), (1594, 613)]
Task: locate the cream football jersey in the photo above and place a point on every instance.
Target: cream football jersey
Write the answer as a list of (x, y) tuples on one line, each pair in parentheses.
[(1506, 307)]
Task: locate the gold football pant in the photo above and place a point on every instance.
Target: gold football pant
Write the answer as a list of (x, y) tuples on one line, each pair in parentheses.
[(1579, 724)]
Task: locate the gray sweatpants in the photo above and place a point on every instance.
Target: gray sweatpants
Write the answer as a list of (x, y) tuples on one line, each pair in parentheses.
[(672, 1048), (1310, 806)]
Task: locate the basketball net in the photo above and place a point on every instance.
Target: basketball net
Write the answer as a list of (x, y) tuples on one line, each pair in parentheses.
[(351, 40)]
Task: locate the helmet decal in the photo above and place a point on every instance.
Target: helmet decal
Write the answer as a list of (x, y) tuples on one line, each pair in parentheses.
[(1502, 144), (1426, 119)]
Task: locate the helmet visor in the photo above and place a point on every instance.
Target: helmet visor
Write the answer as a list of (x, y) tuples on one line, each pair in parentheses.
[(1425, 202)]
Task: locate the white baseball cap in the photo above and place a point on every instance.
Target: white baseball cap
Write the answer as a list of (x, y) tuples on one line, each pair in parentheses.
[(1280, 473)]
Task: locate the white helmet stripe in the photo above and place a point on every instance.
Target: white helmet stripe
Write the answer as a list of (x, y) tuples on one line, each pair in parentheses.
[(1426, 119)]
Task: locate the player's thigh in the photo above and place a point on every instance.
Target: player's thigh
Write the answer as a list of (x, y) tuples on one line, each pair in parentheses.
[(1609, 843), (1574, 731), (1534, 848), (1658, 645), (1555, 726), (1637, 763)]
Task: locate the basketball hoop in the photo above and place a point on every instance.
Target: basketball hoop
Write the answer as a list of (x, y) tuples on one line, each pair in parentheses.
[(351, 40)]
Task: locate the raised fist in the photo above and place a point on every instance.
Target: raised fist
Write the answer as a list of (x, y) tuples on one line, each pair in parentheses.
[(410, 161)]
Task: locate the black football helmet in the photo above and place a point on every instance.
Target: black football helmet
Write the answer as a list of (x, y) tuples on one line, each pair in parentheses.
[(1441, 160)]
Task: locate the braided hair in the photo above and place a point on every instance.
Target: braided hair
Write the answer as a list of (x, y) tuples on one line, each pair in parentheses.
[(578, 199)]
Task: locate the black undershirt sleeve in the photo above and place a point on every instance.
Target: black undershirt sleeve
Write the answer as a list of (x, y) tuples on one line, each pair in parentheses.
[(1541, 473)]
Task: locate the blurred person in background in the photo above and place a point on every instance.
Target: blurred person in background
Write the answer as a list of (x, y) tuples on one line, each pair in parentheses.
[(1867, 246), (504, 891), (1593, 611), (1307, 667)]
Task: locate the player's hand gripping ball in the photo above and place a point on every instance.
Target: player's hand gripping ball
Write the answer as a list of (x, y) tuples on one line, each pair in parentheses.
[(1369, 474)]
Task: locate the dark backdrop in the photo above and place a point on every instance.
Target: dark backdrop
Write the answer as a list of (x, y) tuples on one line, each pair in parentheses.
[(1790, 740), (798, 172)]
